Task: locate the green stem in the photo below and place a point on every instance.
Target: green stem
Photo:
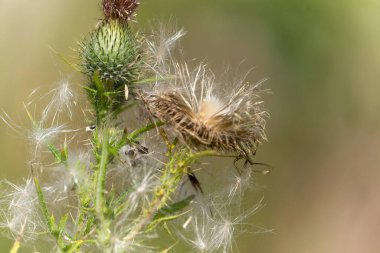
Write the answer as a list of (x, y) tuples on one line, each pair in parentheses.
[(101, 176), (15, 247), (142, 130), (175, 169), (201, 154), (169, 181)]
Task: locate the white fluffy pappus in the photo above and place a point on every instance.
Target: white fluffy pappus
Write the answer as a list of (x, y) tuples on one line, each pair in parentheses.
[(160, 45), (46, 126), (60, 181), (20, 211), (212, 228), (137, 173), (62, 101)]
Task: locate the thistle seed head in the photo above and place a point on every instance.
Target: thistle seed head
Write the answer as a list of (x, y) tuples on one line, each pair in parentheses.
[(207, 119), (114, 53), (122, 10)]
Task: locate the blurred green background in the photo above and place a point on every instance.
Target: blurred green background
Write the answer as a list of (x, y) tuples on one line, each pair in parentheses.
[(323, 61)]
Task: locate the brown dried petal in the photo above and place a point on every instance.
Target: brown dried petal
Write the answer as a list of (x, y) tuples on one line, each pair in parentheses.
[(120, 9)]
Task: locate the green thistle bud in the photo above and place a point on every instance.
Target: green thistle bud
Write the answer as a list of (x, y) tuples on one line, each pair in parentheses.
[(114, 53), (112, 61)]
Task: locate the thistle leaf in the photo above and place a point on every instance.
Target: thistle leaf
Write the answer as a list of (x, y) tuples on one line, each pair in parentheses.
[(55, 152), (169, 211)]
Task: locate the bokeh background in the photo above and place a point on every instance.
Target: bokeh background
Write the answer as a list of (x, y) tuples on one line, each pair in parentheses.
[(323, 61)]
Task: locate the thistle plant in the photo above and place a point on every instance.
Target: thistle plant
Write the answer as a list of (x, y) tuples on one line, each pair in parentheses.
[(132, 176)]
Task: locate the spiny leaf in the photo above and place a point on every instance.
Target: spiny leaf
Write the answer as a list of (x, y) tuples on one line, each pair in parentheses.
[(60, 156), (163, 219), (98, 82), (55, 152), (173, 208), (52, 222), (42, 202), (73, 247), (64, 152), (89, 224), (62, 222)]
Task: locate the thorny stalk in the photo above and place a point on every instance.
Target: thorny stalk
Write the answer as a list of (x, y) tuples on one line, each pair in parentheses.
[(101, 176)]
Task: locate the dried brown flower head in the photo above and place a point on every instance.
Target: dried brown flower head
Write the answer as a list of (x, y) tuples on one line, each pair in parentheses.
[(207, 119), (122, 10)]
